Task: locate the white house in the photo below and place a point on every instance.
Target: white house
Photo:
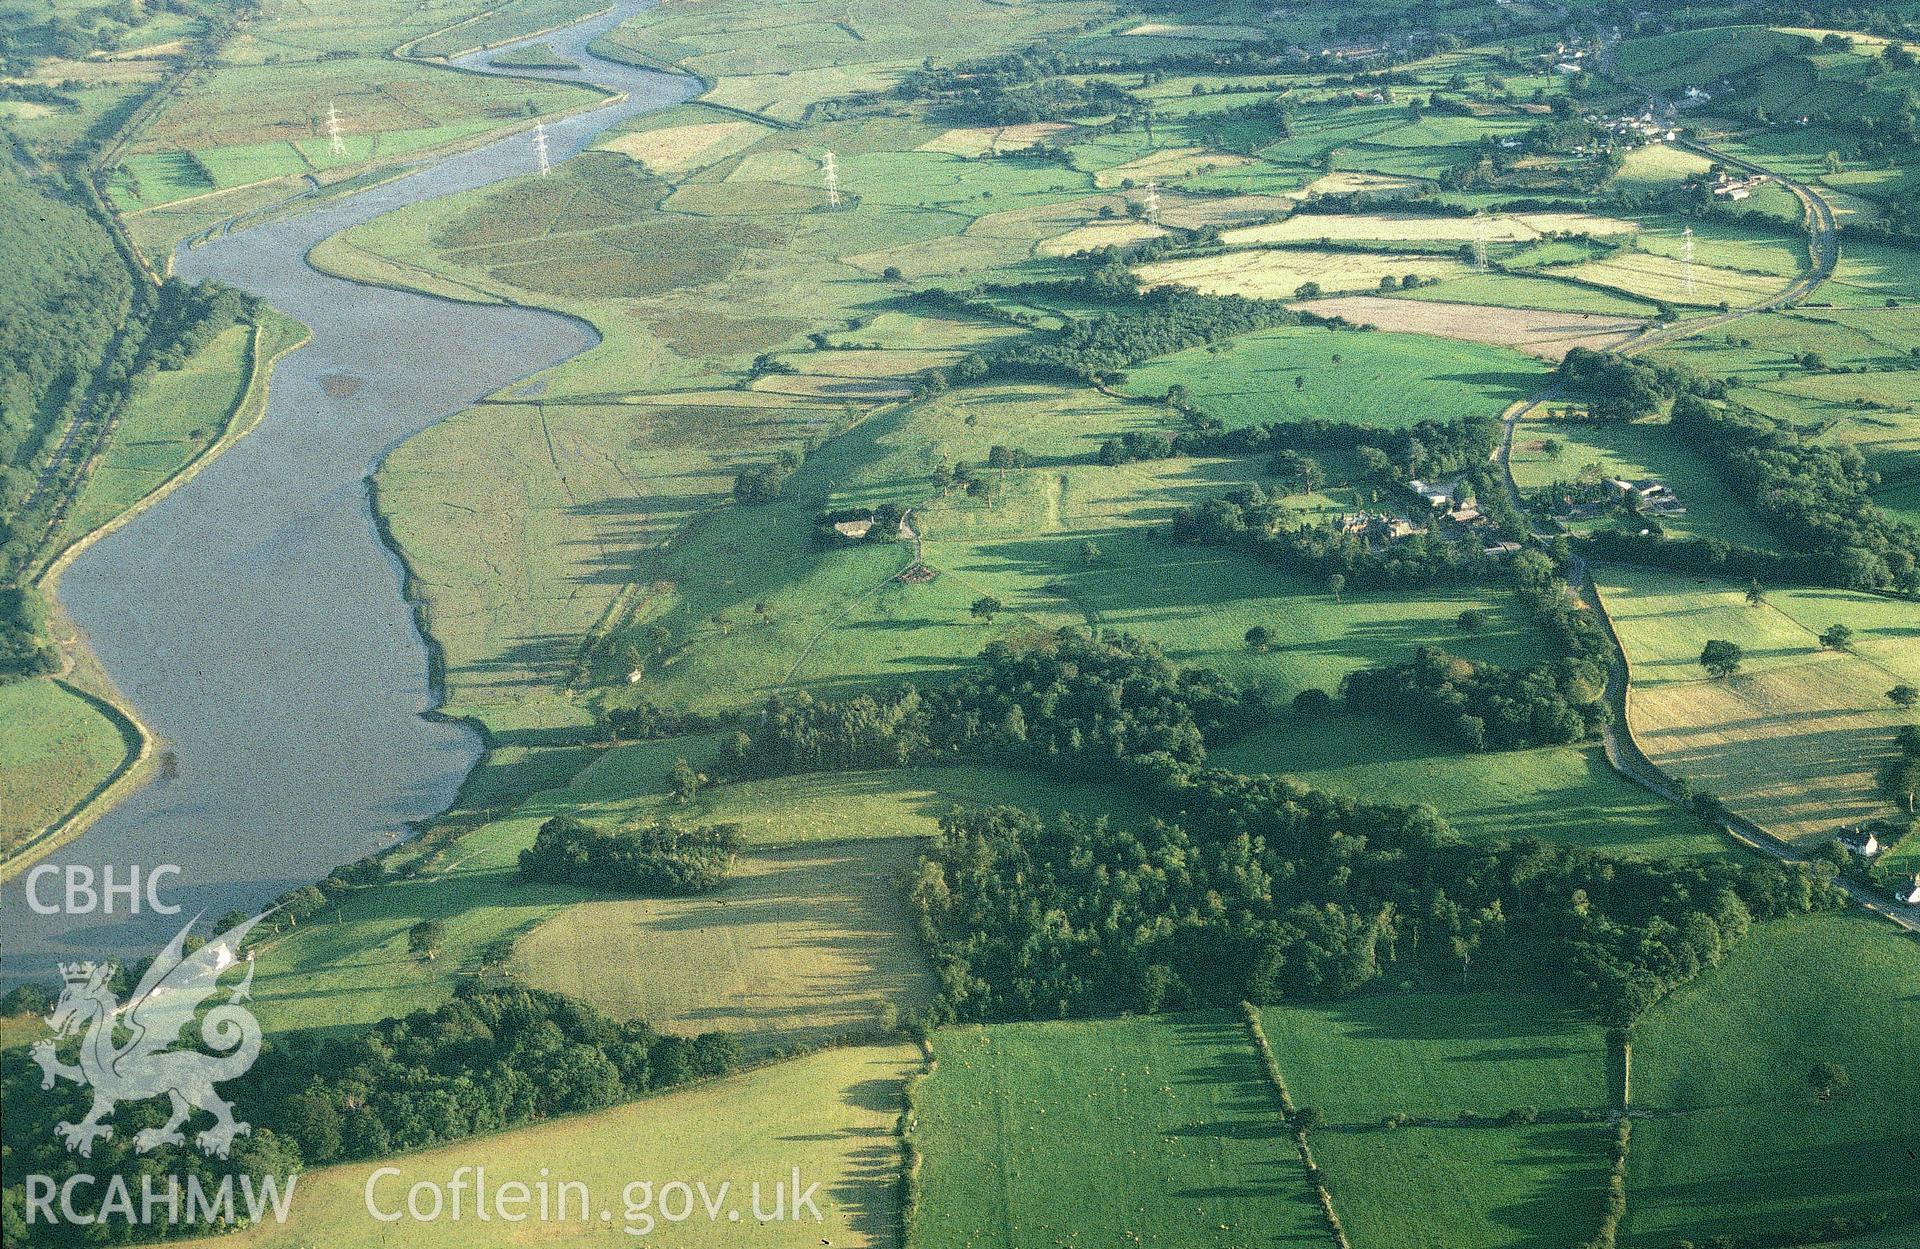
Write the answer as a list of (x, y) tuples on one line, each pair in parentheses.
[(1911, 894)]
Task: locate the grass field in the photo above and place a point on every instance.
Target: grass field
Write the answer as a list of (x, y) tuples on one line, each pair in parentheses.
[(830, 1114), (175, 417), (1739, 1144), (1153, 1131), (55, 747), (1794, 739), (1450, 1184), (1561, 794), (1636, 451), (801, 946), (1378, 378), (351, 967)]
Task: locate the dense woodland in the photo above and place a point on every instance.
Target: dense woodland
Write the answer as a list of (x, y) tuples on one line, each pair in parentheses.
[(71, 347), (654, 856)]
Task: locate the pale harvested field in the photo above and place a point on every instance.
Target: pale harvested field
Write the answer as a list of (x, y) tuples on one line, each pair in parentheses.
[(678, 148), (802, 945), (1793, 740), (1120, 232), (1196, 212), (971, 141), (1345, 183), (1792, 748), (1548, 335), (1387, 227), (1174, 30), (1662, 277), (1178, 162), (1278, 274)]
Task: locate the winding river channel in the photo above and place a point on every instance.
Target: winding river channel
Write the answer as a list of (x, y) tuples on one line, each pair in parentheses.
[(253, 616)]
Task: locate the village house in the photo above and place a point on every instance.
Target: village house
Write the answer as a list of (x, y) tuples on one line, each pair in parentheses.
[(1910, 893)]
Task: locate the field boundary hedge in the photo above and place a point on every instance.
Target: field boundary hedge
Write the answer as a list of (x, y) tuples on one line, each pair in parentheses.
[(1271, 1066)]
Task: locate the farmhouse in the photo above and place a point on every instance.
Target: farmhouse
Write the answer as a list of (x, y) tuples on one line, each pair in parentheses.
[(1500, 550), (1865, 844), (1910, 893)]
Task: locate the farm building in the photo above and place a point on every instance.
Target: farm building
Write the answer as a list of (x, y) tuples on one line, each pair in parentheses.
[(1910, 893), (1379, 529), (1434, 493)]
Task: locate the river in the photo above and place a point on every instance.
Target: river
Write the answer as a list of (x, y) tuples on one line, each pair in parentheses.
[(254, 617)]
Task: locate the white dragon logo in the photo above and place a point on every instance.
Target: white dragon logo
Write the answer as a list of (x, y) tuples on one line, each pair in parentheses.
[(168, 998)]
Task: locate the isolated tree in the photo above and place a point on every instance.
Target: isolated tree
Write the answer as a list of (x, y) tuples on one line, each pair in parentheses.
[(1472, 620), (1089, 552), (1259, 638), (1307, 1118), (1837, 638), (1721, 658), (1827, 1078), (1335, 584), (425, 937), (1755, 595), (986, 607), (683, 782), (1904, 696), (1002, 458)]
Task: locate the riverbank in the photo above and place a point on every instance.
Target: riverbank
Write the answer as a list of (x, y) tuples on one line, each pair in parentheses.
[(273, 337)]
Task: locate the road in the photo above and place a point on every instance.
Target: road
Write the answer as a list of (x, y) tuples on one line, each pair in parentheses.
[(1623, 753)]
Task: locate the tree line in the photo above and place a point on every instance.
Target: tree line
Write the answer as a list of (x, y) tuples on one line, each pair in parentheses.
[(1239, 887), (1818, 497), (492, 1058)]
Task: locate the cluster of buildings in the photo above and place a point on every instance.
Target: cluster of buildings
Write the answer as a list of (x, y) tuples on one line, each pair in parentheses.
[(1733, 189), (1454, 517), (1651, 496), (1634, 130)]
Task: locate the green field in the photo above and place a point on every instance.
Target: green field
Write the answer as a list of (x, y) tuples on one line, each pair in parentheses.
[(1442, 1181), (1563, 794), (1735, 1141), (1640, 451), (1380, 379), (1157, 1131), (831, 1114), (55, 748), (176, 417)]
